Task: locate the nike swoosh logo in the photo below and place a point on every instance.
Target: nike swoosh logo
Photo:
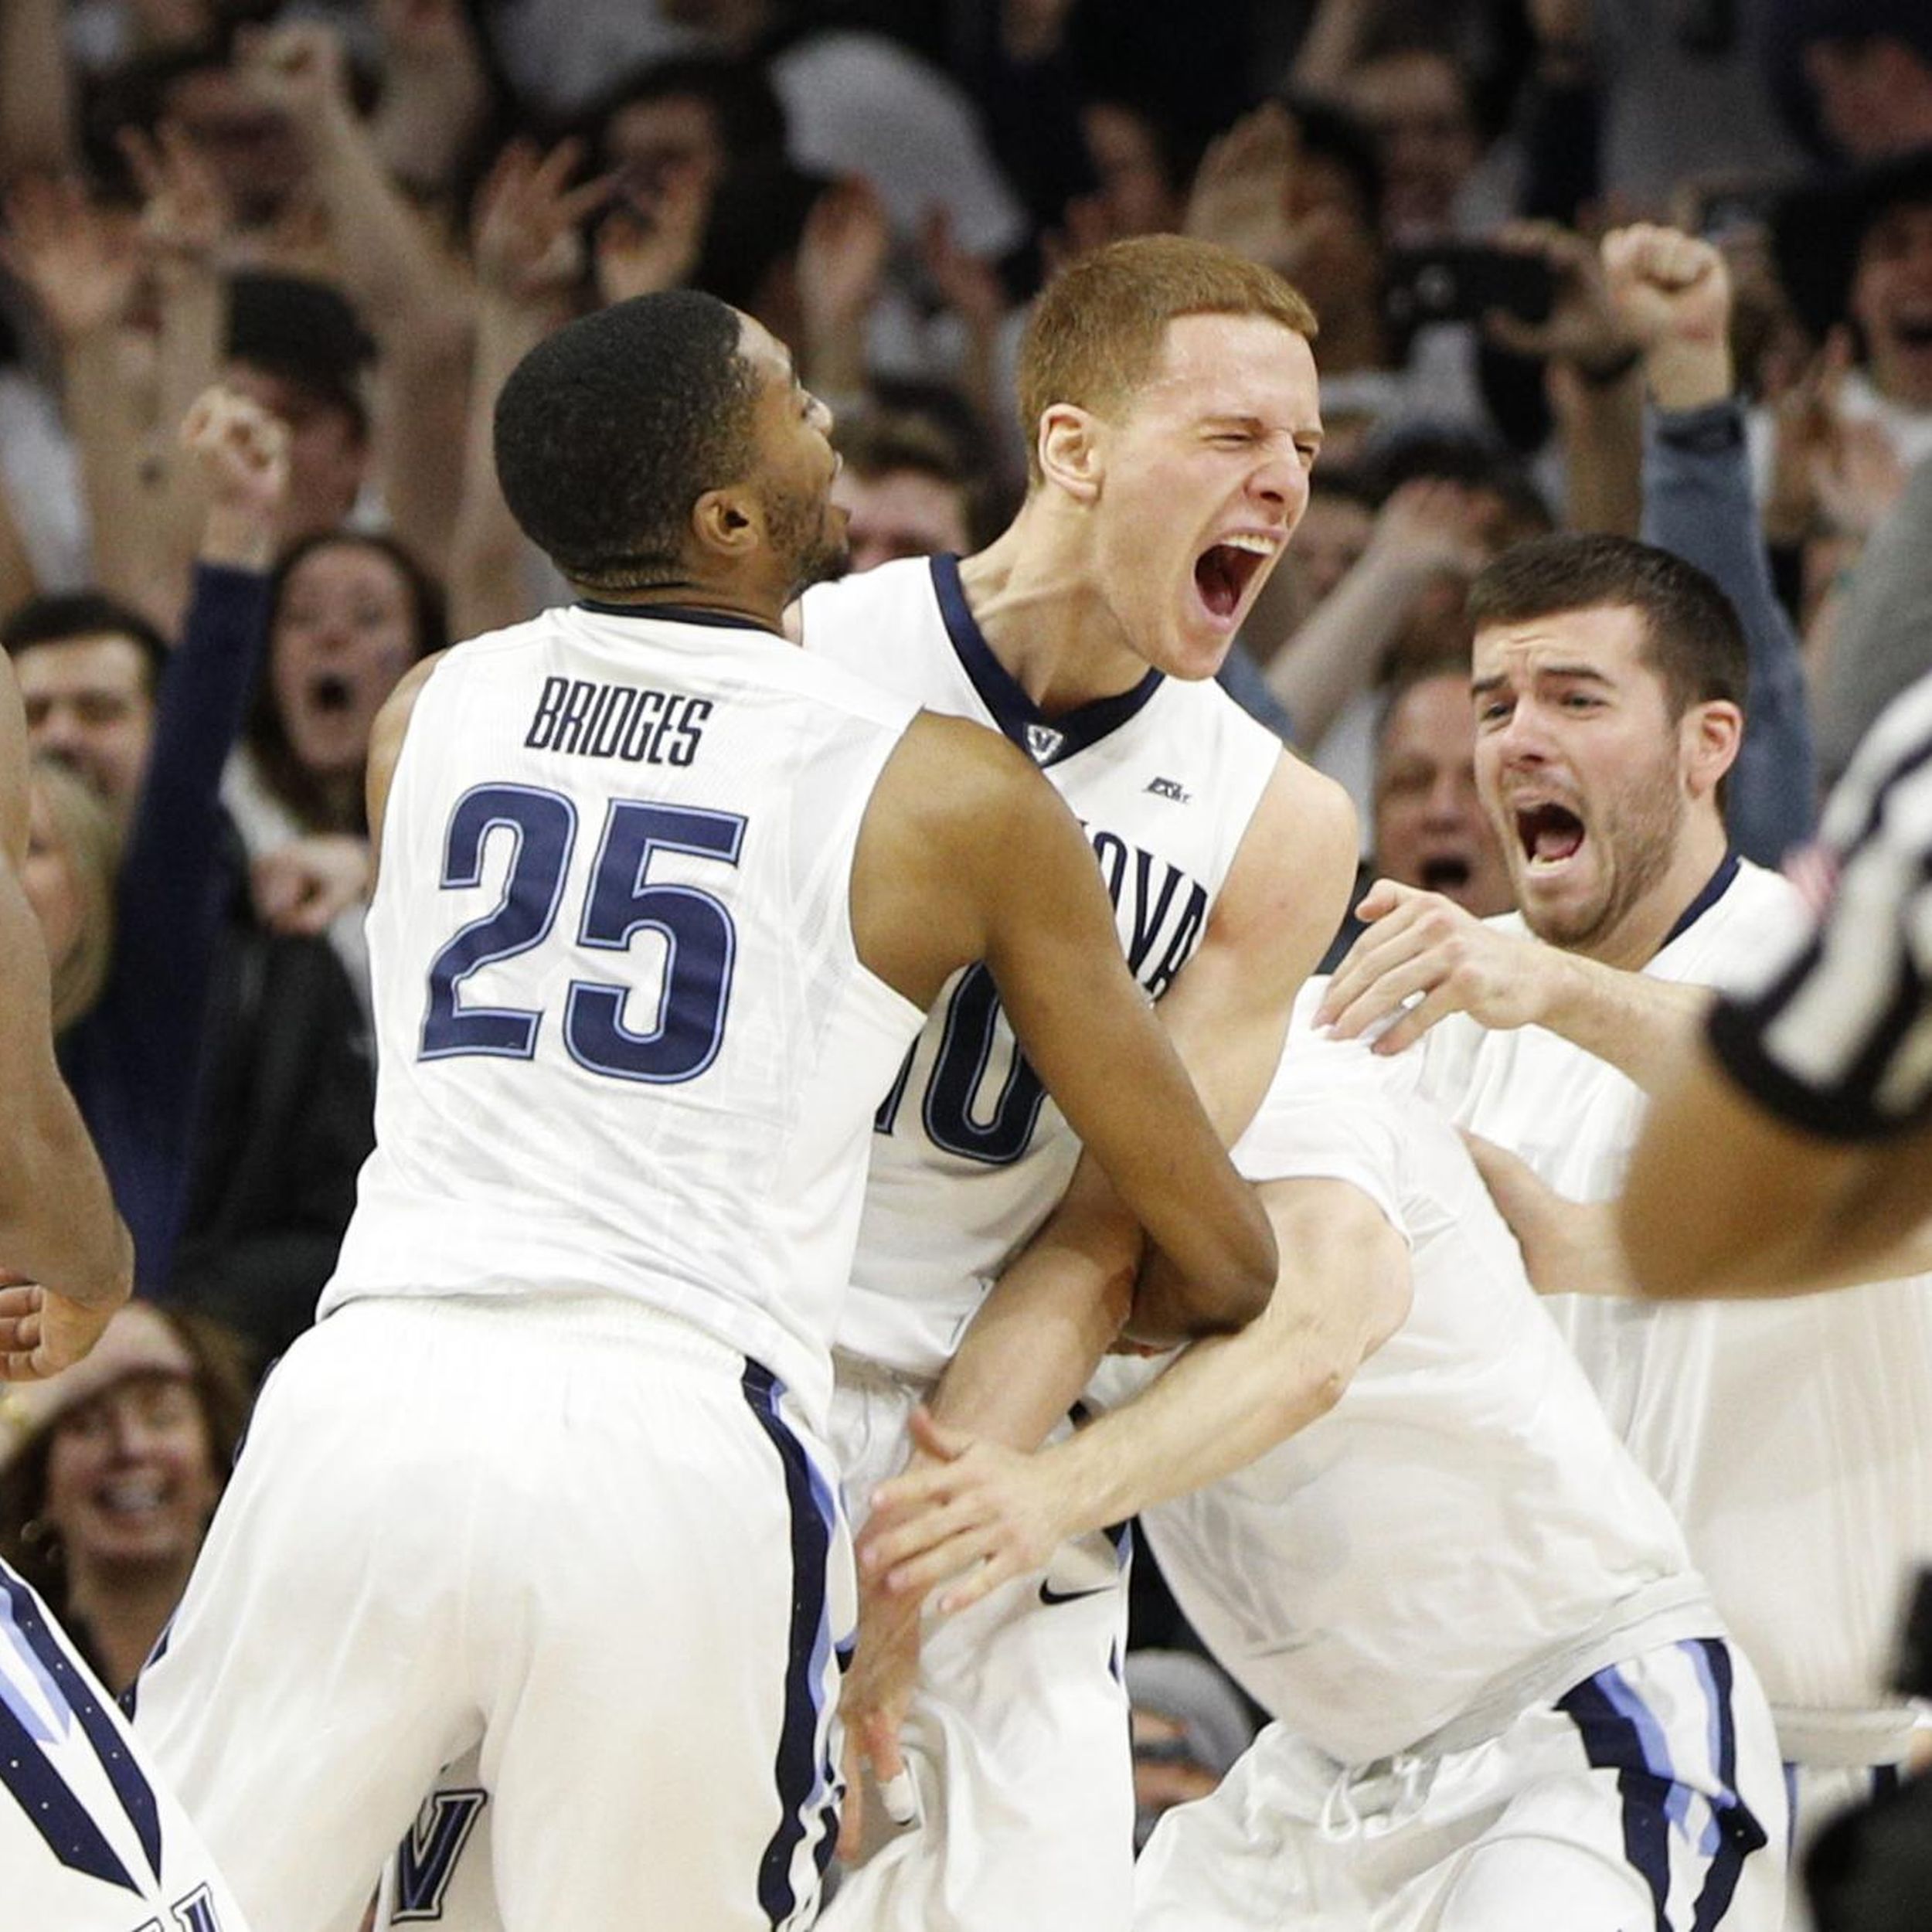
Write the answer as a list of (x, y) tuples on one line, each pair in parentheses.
[(1049, 1596)]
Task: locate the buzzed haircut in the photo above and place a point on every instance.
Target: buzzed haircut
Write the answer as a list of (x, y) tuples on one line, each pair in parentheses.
[(609, 431), (1692, 639), (1095, 333), (60, 617)]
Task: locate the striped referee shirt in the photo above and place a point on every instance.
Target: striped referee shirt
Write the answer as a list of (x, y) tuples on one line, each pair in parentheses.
[(1834, 1033)]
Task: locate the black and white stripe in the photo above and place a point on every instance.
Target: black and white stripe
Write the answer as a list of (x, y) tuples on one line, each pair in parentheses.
[(1838, 1039)]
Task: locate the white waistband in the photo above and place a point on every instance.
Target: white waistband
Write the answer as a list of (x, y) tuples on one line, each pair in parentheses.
[(1843, 1740)]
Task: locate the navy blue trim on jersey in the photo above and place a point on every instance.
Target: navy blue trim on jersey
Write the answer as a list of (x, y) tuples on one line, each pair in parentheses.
[(1611, 1742), (1003, 694), (802, 1780), (61, 1819), (1740, 1833), (678, 613), (1715, 888), (52, 1809)]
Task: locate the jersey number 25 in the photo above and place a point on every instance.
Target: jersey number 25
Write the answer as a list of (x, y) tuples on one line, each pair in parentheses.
[(620, 901)]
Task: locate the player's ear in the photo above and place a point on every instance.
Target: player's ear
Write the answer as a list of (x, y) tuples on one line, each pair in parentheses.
[(727, 522), (1710, 735), (1069, 450)]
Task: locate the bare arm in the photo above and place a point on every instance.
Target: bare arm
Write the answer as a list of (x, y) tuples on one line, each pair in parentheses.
[(58, 1227), (1421, 943), (1344, 1289), (935, 888), (1426, 527), (411, 290), (36, 92), (529, 262), (1572, 1247), (1724, 1199), (1034, 1342)]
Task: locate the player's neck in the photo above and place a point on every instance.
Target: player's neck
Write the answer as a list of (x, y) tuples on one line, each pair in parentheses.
[(1040, 606), (755, 605)]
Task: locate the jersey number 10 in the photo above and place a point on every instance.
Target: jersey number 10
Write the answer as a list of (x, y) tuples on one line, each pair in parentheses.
[(620, 901)]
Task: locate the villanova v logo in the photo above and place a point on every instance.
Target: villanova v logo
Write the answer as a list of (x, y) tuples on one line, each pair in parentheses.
[(426, 1860), (1044, 742)]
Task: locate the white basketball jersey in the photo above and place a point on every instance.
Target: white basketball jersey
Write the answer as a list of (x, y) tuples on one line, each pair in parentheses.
[(625, 1044), (91, 1838), (1462, 1535), (971, 1155), (1793, 1438)]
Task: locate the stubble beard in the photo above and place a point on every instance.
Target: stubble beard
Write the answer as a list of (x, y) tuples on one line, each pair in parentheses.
[(1639, 830)]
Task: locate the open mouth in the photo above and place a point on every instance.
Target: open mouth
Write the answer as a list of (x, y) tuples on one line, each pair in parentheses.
[(1224, 570), (1549, 833), (1446, 873), (331, 692), (1914, 331)]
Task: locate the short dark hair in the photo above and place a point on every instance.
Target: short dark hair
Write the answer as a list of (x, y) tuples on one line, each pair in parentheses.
[(58, 617), (304, 332), (1691, 636), (609, 431), (746, 110)]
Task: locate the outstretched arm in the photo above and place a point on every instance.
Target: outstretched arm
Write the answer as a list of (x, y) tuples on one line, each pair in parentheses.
[(1421, 946), (977, 1506), (1035, 1340)]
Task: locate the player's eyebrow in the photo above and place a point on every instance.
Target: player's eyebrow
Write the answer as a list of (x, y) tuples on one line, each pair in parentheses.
[(1572, 673)]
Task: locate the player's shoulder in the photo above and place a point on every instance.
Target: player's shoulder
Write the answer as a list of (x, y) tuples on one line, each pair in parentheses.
[(827, 612), (1758, 912)]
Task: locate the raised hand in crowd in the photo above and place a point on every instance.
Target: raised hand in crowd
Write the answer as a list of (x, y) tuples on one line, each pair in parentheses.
[(1670, 295), (526, 240), (526, 231), (79, 264), (650, 238), (436, 95), (1428, 527), (241, 453), (1240, 194), (1582, 329), (842, 269)]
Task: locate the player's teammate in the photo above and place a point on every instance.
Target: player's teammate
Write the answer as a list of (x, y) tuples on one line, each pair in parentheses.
[(1791, 1438), (91, 1838), (1170, 393), (1396, 1513), (661, 902)]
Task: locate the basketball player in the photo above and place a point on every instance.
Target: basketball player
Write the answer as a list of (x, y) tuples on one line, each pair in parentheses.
[(1170, 394), (1170, 397), (1790, 1437), (661, 902), (90, 1839), (1393, 1508)]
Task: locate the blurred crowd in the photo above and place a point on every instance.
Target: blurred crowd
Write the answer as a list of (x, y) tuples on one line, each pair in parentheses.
[(1639, 266)]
